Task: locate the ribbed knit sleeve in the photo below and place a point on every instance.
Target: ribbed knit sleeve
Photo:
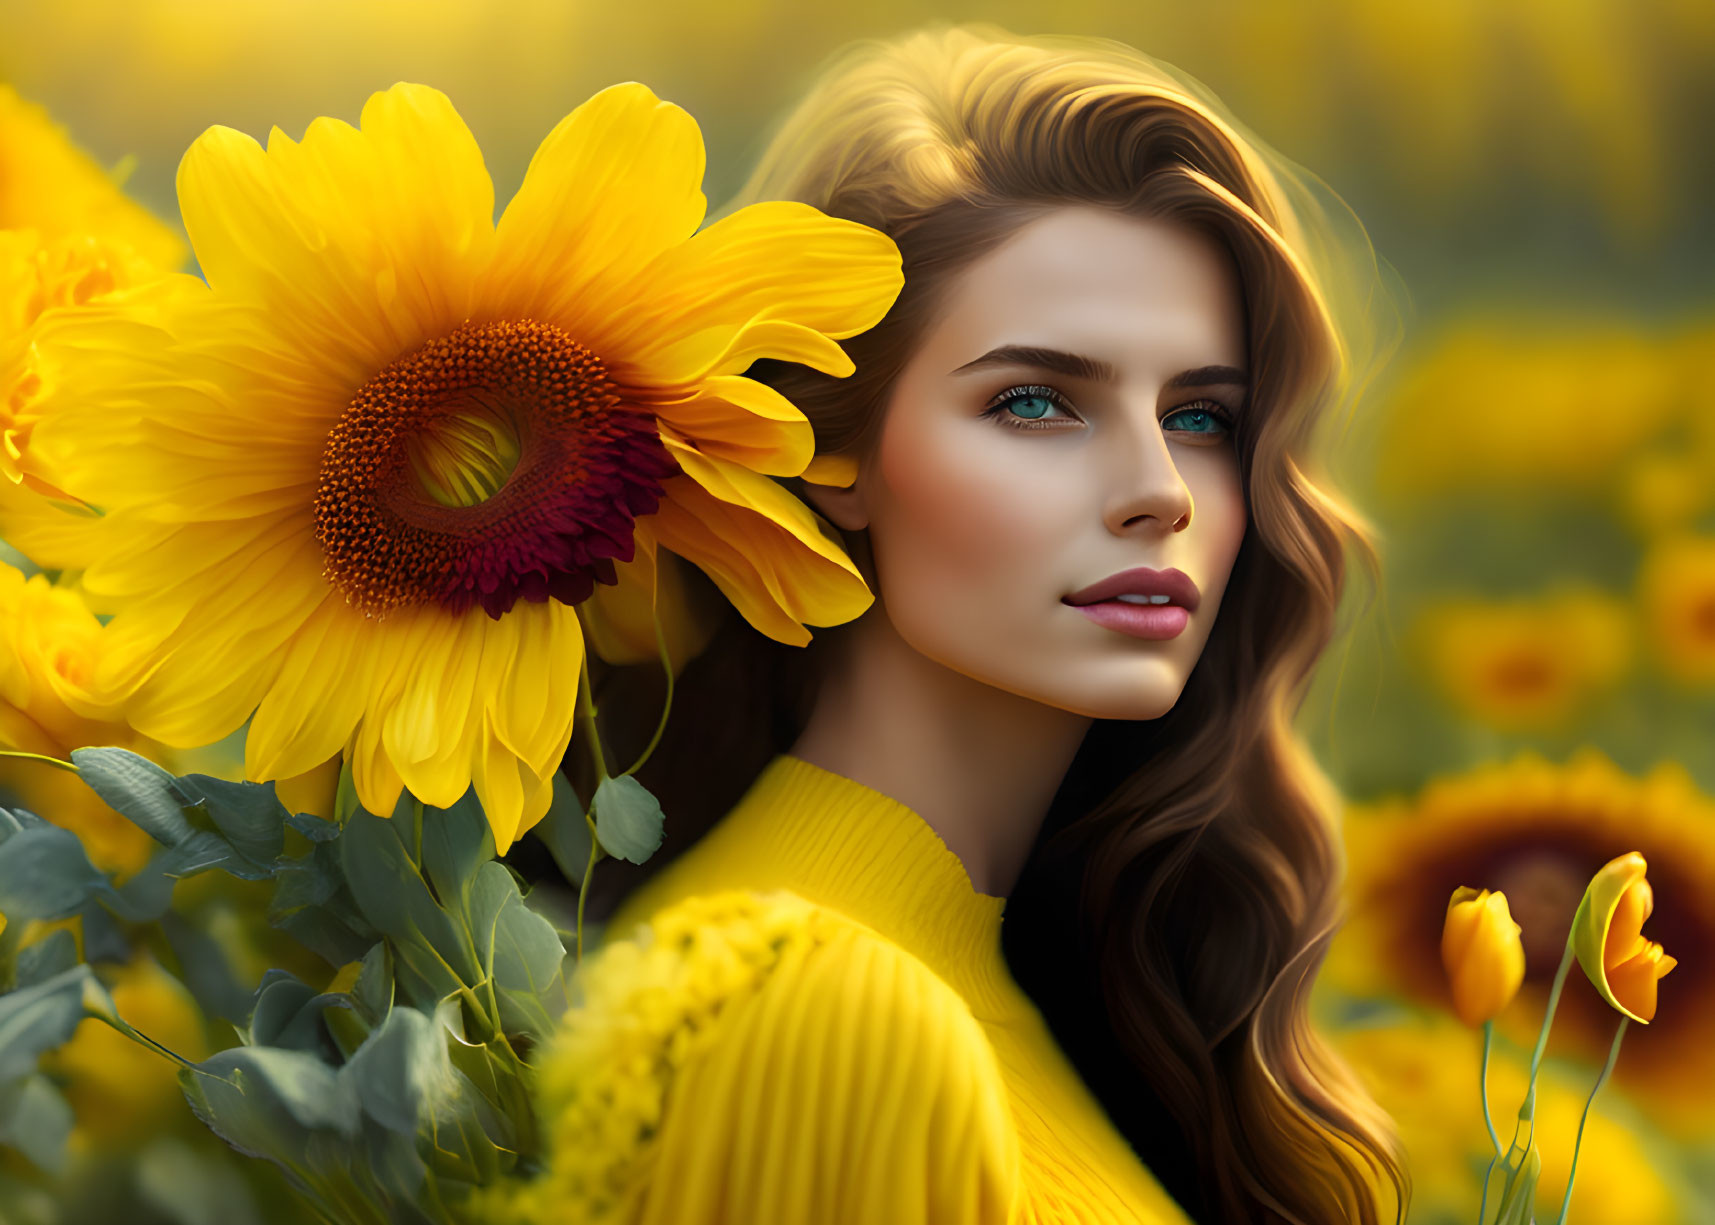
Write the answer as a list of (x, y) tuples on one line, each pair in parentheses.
[(752, 1057)]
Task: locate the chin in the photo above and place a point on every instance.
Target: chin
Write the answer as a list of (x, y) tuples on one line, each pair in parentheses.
[(1134, 694)]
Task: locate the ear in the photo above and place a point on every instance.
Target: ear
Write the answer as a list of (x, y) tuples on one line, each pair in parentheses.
[(830, 486)]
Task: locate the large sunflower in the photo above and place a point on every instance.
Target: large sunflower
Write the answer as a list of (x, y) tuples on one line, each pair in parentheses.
[(1538, 831), (356, 484)]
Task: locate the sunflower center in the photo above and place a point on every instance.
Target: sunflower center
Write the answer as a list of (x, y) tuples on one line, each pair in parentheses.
[(1703, 619), (494, 464), (465, 458), (1522, 675), (1543, 890)]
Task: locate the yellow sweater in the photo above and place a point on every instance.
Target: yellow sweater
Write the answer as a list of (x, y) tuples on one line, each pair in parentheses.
[(815, 1025)]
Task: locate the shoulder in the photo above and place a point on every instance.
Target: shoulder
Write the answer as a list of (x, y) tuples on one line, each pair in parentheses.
[(783, 1061)]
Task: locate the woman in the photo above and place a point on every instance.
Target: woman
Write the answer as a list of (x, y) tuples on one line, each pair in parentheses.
[(1122, 319)]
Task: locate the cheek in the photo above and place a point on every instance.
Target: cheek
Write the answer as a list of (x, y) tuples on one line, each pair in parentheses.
[(966, 521), (1219, 520)]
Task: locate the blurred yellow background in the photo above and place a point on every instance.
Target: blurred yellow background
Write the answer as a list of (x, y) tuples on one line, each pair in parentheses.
[(1534, 691)]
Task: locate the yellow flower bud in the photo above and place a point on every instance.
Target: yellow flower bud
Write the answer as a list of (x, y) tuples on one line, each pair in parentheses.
[(1484, 956), (1608, 939)]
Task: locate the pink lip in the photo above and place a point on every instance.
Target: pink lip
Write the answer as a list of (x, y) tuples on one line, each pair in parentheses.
[(1141, 580), (1138, 620)]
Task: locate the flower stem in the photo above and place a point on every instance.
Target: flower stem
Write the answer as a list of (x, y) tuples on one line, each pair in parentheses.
[(1527, 1111), (1548, 1015), (667, 669), (1483, 1083), (1613, 1054), (586, 728), (586, 724), (584, 889), (1488, 1121), (52, 761)]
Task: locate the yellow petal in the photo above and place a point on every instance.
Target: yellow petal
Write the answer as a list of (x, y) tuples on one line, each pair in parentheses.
[(1603, 899), (760, 545), (718, 350), (616, 182), (199, 661), (777, 262), (373, 775), (309, 713), (1633, 981), (314, 791), (425, 728), (619, 621), (1625, 929), (358, 243), (747, 422), (534, 704), (1483, 954), (836, 470)]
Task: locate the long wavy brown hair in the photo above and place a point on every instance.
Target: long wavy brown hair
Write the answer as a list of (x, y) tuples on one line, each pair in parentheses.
[(1184, 889)]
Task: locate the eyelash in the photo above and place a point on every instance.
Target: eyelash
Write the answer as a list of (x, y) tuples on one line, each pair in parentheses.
[(997, 408)]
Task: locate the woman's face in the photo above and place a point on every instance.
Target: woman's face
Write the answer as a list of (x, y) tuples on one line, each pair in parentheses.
[(1063, 422)]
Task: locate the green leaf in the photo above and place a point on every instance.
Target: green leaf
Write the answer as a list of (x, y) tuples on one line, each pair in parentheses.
[(401, 1069), (138, 789), (289, 1013), (208, 972), (313, 827), (520, 950), (157, 802), (345, 801), (45, 874), (262, 1100), (35, 1120), (374, 989), (433, 960), (629, 822), (249, 815), (46, 958), (456, 842), (40, 1017)]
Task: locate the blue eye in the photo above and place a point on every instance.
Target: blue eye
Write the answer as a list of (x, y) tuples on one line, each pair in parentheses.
[(1213, 420), (1037, 407), (1023, 407)]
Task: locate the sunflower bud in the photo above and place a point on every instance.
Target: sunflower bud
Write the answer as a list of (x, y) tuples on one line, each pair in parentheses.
[(1608, 940), (1481, 949)]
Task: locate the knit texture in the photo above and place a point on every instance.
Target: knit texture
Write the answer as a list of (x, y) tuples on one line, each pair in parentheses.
[(807, 1017)]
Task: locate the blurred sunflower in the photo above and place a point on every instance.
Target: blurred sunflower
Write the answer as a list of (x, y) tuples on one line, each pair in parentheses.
[(1676, 592), (49, 645), (355, 484), (50, 186), (1668, 486), (1421, 1069), (1525, 664), (1562, 430), (1538, 832), (68, 237)]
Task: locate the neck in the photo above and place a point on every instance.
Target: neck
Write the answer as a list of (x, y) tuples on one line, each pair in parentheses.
[(980, 765)]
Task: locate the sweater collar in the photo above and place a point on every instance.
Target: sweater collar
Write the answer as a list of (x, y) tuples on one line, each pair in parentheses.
[(839, 843)]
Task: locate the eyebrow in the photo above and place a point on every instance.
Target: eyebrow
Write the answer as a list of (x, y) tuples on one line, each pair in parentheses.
[(1078, 366)]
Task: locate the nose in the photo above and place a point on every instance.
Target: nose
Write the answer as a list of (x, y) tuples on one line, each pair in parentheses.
[(1146, 491)]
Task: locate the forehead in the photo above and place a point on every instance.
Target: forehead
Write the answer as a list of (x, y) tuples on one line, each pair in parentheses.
[(1135, 288)]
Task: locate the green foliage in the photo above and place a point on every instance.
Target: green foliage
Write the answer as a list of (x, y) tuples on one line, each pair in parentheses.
[(629, 822), (382, 1098)]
